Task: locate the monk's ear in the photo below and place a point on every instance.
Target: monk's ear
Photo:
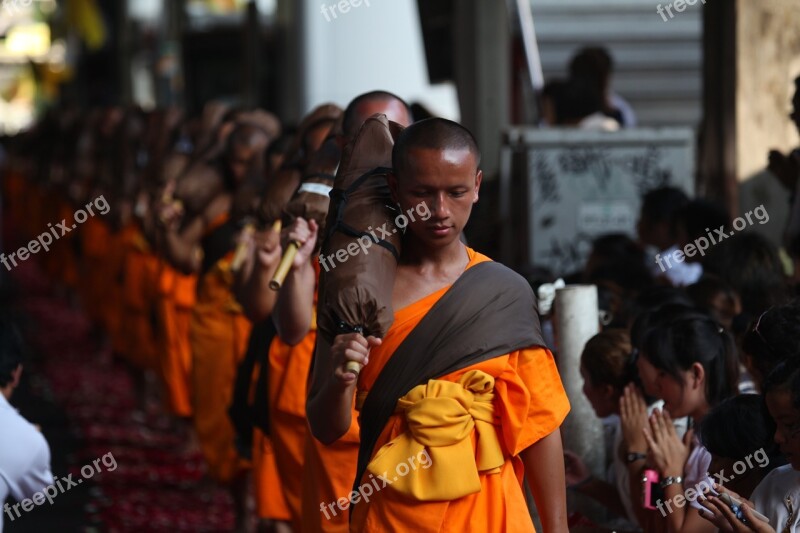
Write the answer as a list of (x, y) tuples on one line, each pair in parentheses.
[(391, 179), (478, 180)]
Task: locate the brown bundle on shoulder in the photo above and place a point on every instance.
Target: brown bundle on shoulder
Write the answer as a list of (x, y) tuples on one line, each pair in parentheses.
[(283, 186), (356, 292), (311, 200)]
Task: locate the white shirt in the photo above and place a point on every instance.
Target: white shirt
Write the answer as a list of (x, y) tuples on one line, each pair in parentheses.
[(776, 496), (679, 274), (24, 457)]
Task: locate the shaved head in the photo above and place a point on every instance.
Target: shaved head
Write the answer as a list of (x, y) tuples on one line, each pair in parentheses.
[(364, 106), (433, 134)]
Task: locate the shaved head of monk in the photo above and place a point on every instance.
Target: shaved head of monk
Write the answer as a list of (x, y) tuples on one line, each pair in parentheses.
[(436, 177), (364, 106), (245, 145)]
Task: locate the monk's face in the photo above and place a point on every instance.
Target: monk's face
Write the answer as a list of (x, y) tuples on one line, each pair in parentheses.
[(441, 184), (239, 159)]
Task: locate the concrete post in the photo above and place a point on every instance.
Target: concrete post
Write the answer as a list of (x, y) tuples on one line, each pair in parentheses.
[(576, 321)]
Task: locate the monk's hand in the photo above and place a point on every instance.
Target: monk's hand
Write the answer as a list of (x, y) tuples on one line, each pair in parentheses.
[(169, 211), (667, 451), (267, 245), (304, 233), (351, 347), (721, 515), (633, 419)]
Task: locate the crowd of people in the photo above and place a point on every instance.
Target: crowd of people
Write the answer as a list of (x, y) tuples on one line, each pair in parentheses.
[(696, 370)]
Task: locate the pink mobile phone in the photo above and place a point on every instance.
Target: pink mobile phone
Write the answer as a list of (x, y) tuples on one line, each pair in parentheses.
[(651, 490)]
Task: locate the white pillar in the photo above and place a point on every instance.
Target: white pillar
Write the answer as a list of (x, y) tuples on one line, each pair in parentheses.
[(576, 321)]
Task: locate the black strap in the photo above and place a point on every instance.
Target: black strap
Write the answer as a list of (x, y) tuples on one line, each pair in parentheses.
[(489, 311), (339, 198)]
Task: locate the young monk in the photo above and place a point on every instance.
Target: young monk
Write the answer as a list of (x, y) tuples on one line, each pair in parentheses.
[(447, 447)]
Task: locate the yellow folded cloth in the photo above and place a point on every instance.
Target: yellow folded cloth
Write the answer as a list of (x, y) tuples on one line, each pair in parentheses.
[(441, 416)]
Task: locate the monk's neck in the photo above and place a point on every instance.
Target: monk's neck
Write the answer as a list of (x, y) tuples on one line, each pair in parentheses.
[(416, 253)]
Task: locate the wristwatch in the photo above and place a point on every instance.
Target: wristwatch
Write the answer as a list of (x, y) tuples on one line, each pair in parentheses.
[(671, 480), (632, 457)]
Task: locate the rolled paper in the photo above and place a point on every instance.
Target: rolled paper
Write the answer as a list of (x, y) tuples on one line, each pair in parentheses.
[(283, 267), (241, 249)]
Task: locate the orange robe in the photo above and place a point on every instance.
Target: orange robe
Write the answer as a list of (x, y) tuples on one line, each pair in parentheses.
[(96, 247), (138, 326), (529, 403), (270, 500), (218, 336), (289, 367), (177, 293)]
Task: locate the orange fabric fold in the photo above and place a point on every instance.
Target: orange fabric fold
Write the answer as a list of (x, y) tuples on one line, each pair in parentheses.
[(270, 501), (218, 336)]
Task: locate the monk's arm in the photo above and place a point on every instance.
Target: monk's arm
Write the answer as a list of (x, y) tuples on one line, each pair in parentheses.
[(544, 470), (181, 246), (296, 304), (329, 401), (251, 282)]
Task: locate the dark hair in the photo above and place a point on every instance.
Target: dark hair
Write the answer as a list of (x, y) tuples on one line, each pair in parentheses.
[(606, 357), (592, 63), (648, 303), (773, 336), (575, 99), (699, 216), (350, 122), (435, 133), (663, 205), (11, 347), (680, 337), (737, 427), (619, 259), (752, 266), (706, 289), (785, 378)]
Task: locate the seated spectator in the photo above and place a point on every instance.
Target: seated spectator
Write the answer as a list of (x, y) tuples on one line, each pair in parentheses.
[(658, 232), (595, 63), (777, 497), (691, 362), (24, 453), (772, 337), (740, 429), (750, 264), (575, 103), (714, 296)]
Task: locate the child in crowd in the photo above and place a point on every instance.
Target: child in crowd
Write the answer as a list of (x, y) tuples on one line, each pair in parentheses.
[(657, 232), (777, 497), (738, 435), (772, 337), (689, 361)]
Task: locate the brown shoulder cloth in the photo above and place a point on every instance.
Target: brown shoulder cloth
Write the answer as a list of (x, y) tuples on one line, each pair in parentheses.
[(489, 311)]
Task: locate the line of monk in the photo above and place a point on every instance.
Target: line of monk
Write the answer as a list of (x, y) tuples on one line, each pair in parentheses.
[(177, 277)]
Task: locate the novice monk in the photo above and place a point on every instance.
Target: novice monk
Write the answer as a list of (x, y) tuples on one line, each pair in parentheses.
[(460, 398)]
